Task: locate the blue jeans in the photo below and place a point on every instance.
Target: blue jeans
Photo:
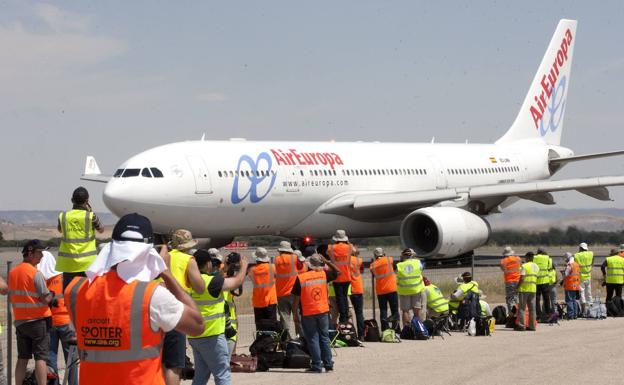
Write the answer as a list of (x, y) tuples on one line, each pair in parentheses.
[(211, 356), (570, 299), (316, 332), (62, 334), (342, 299)]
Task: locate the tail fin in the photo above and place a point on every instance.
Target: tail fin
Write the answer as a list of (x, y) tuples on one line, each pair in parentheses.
[(541, 114)]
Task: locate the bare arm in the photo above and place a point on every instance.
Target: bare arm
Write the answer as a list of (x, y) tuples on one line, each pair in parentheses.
[(4, 288), (193, 276), (191, 322), (237, 280)]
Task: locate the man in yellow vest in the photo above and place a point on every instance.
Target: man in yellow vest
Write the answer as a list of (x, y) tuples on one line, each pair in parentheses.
[(526, 293), (544, 262), (210, 349), (613, 274), (465, 284), (411, 287), (437, 304), (77, 226), (585, 259), (184, 269)]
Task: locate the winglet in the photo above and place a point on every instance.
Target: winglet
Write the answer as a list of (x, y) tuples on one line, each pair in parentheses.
[(92, 171)]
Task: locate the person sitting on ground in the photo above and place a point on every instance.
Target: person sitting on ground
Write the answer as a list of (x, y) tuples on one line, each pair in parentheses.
[(465, 284), (437, 304)]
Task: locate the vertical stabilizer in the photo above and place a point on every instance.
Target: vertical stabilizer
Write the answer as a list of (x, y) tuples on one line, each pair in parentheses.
[(541, 114)]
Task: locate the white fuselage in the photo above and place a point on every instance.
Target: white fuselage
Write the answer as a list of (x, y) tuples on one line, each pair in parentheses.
[(221, 189)]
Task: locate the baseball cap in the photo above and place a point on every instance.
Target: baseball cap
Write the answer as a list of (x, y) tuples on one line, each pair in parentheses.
[(133, 227), (33, 245), (583, 245)]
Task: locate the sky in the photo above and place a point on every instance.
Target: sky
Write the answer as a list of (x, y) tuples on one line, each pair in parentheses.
[(114, 78)]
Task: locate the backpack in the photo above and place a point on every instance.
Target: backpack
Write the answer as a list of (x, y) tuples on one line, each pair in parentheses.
[(432, 328), (296, 358), (613, 310), (264, 343), (371, 331), (347, 334), (469, 307), (389, 335), (420, 331), (500, 315), (511, 318), (482, 326), (268, 360)]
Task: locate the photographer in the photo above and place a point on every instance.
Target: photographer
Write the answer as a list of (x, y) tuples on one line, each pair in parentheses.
[(231, 268), (210, 348)]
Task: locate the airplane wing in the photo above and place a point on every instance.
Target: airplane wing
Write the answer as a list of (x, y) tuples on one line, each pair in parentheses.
[(92, 171), (354, 205)]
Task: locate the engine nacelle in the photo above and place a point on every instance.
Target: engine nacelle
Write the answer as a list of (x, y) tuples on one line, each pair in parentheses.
[(443, 232)]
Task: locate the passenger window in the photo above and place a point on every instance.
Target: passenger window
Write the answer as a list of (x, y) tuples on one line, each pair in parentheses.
[(131, 172), (146, 173), (118, 173)]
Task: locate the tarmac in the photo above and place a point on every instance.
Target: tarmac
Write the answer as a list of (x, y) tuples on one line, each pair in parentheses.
[(573, 352)]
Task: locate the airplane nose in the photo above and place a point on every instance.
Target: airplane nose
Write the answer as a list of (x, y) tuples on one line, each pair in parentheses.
[(115, 198)]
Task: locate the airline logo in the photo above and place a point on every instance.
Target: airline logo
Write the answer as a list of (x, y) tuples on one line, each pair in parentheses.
[(293, 157), (549, 103), (254, 178)]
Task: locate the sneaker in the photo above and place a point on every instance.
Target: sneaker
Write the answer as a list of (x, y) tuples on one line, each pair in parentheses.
[(519, 328), (312, 370), (329, 368)]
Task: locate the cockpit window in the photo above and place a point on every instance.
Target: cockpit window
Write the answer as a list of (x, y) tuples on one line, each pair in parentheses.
[(156, 172), (146, 173), (118, 173), (130, 172)]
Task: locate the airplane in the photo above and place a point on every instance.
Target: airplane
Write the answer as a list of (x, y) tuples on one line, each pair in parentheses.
[(434, 195)]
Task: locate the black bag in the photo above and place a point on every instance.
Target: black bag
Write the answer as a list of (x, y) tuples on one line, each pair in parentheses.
[(619, 303), (299, 343), (469, 307), (615, 307), (264, 343), (371, 331), (500, 314), (296, 358), (482, 326), (269, 360), (415, 330), (408, 332), (432, 328), (347, 334)]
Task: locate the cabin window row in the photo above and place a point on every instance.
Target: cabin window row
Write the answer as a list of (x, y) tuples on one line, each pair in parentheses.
[(486, 170)]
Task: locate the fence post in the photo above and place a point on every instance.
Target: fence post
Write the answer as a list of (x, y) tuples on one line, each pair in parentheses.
[(9, 332)]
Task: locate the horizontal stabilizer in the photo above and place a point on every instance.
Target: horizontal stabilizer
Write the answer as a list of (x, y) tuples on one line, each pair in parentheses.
[(577, 158)]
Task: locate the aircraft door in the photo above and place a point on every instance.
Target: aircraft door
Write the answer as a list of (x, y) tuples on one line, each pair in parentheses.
[(438, 173), (201, 174)]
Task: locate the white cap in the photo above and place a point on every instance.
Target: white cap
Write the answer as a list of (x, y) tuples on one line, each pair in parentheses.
[(214, 253), (583, 246), (378, 252)]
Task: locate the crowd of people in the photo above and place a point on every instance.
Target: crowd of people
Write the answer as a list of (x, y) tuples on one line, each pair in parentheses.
[(131, 306)]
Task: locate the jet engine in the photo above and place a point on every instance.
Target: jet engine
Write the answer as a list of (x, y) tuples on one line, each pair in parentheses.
[(443, 232)]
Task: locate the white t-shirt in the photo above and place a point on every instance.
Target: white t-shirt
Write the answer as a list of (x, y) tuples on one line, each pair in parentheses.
[(165, 310)]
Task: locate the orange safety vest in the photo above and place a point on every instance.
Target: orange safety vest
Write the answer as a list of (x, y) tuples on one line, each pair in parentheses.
[(385, 277), (285, 273), (511, 268), (263, 281), (340, 254), (60, 315), (314, 298), (357, 286), (115, 340), (24, 296), (572, 282)]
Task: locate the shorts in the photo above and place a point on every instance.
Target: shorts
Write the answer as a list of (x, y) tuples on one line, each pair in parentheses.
[(33, 339), (174, 350), (407, 302)]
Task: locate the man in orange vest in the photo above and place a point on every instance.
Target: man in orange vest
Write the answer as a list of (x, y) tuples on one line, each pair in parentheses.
[(61, 330), (184, 269), (382, 269), (30, 298), (511, 265), (122, 319), (285, 276), (571, 285), (357, 292), (264, 298), (310, 291), (340, 254)]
